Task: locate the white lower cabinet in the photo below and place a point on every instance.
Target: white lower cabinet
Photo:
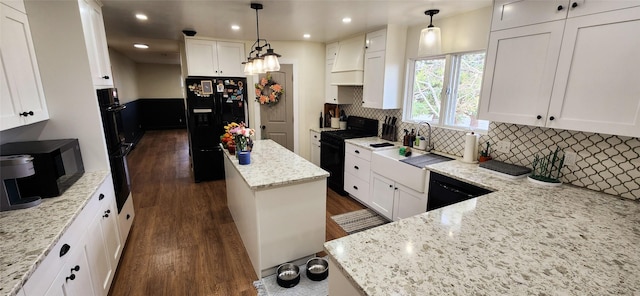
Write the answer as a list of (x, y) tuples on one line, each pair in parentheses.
[(125, 219), (394, 200), (84, 261), (314, 144), (357, 171)]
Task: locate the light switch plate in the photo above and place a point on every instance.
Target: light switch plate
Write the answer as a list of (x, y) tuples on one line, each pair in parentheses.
[(503, 146)]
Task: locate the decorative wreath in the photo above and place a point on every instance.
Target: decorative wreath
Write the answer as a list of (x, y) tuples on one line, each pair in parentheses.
[(268, 92)]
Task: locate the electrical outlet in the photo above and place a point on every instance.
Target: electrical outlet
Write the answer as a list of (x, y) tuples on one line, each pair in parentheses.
[(570, 158), (503, 146)]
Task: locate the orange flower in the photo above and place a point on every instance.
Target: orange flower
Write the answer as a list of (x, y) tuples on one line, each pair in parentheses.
[(264, 81), (258, 92), (276, 87), (263, 99), (272, 97)]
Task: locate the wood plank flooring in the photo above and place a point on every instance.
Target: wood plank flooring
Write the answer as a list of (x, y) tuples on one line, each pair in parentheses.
[(184, 241)]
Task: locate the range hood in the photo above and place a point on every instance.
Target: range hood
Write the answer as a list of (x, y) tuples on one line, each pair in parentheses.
[(348, 67)]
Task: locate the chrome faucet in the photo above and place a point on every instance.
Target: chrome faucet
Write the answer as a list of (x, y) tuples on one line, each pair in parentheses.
[(429, 145)]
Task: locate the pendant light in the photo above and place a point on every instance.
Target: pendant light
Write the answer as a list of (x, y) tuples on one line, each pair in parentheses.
[(430, 37), (261, 62)]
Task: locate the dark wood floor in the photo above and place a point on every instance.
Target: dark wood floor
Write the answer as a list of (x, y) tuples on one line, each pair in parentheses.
[(184, 241)]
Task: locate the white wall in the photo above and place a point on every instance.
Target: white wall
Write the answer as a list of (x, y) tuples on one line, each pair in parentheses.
[(159, 81), (464, 32), (58, 39), (124, 76)]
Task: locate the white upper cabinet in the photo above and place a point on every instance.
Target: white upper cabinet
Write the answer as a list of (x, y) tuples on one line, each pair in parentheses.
[(510, 14), (22, 98), (584, 7), (596, 85), (577, 74), (96, 41), (214, 58), (384, 66), (330, 91)]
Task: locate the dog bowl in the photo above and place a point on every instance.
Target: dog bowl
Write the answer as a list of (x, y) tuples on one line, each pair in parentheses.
[(317, 269), (288, 275)]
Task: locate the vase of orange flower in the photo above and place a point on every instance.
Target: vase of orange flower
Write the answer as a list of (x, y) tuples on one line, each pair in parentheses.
[(268, 92)]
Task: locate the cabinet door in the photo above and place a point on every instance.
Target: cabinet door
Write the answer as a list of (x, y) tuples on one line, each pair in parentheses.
[(510, 14), (73, 279), (408, 203), (584, 7), (113, 244), (331, 91), (97, 254), (314, 144), (202, 57), (96, 43), (596, 85), (230, 58), (376, 41), (373, 86), (382, 194), (519, 72), (21, 85)]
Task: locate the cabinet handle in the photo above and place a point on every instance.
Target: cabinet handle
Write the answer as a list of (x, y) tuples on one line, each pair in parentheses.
[(355, 187), (552, 118), (25, 114), (106, 214), (76, 268), (390, 186), (395, 188), (560, 7), (539, 117), (105, 77), (101, 196), (64, 249), (71, 277), (315, 137), (574, 5), (356, 167), (357, 152)]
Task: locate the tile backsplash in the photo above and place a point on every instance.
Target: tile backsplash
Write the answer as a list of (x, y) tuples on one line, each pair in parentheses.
[(605, 163)]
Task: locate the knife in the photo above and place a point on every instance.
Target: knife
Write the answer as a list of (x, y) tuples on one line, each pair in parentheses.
[(384, 126)]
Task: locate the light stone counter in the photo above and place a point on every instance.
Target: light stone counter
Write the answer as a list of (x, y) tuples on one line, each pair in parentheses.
[(523, 239), (274, 165), (323, 129), (28, 235)]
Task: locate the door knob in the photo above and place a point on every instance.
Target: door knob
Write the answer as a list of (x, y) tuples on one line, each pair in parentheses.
[(263, 126)]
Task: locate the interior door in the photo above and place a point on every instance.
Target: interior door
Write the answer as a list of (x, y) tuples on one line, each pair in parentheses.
[(277, 120)]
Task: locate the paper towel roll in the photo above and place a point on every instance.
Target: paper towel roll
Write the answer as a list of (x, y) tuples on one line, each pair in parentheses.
[(470, 148)]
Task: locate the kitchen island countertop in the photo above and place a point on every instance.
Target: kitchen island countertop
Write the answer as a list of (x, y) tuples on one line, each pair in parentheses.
[(522, 239), (274, 165), (29, 234)]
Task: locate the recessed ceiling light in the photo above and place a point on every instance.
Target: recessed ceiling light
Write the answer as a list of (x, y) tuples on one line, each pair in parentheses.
[(140, 45), (306, 36), (346, 20), (141, 16), (235, 27)]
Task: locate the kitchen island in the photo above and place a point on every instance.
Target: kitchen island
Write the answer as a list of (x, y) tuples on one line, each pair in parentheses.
[(522, 239), (278, 203)]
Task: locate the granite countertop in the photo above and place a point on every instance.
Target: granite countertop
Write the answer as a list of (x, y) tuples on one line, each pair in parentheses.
[(274, 165), (29, 234), (323, 129), (522, 239)]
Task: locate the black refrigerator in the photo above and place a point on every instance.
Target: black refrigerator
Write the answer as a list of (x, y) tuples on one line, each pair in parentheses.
[(117, 149), (212, 103)]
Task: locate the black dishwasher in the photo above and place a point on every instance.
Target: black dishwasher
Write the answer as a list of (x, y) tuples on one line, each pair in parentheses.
[(444, 191)]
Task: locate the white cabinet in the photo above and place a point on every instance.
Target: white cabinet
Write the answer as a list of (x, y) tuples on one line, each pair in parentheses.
[(348, 66), (125, 219), (214, 58), (96, 43), (330, 91), (577, 74), (357, 170), (314, 144), (84, 260), (22, 98), (384, 68), (395, 201)]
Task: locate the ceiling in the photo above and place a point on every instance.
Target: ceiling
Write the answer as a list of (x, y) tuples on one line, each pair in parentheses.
[(281, 20)]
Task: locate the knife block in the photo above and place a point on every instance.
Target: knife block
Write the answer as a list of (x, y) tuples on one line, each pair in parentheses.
[(389, 132)]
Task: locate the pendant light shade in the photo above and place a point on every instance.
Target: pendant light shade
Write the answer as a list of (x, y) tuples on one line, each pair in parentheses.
[(261, 62), (430, 37)]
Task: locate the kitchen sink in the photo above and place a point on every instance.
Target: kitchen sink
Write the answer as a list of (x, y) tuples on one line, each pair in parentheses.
[(388, 163)]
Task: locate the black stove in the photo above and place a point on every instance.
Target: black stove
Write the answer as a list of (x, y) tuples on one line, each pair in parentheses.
[(332, 148)]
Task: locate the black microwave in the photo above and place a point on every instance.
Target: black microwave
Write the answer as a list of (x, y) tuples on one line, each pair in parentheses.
[(57, 164)]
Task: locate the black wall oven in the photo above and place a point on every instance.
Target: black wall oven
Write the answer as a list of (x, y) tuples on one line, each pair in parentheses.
[(332, 148)]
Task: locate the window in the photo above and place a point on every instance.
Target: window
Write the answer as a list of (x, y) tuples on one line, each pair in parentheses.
[(445, 91)]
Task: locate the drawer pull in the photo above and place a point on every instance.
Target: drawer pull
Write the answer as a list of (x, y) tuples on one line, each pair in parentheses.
[(101, 196), (355, 187), (357, 152), (128, 216), (106, 214), (76, 268), (71, 277), (64, 249), (356, 167), (560, 7), (574, 5)]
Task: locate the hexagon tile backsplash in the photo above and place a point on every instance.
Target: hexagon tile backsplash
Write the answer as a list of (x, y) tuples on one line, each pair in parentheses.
[(605, 163)]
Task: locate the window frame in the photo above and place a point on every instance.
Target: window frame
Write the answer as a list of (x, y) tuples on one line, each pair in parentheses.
[(448, 94)]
